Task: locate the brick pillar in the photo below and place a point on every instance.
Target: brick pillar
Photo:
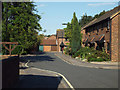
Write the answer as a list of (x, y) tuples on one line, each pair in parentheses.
[(95, 45), (105, 46), (119, 37), (114, 38)]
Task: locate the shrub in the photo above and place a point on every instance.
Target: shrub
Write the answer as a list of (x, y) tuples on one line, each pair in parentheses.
[(92, 55), (95, 59), (84, 52)]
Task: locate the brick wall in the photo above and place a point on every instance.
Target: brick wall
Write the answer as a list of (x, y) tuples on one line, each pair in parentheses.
[(10, 72), (114, 38), (46, 48), (83, 34), (54, 48), (119, 37)]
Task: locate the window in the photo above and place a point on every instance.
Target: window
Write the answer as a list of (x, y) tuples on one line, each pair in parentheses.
[(93, 28), (102, 26), (108, 46), (97, 29), (86, 31)]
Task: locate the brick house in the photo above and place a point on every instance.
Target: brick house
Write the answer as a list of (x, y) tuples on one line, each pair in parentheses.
[(102, 33), (48, 44), (61, 38)]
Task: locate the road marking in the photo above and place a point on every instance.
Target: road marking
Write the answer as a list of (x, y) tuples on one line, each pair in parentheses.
[(26, 64), (53, 72), (58, 74)]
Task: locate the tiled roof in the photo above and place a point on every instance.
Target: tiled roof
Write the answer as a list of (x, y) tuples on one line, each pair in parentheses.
[(103, 17), (48, 42)]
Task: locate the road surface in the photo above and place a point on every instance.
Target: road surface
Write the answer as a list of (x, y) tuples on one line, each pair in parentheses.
[(79, 77)]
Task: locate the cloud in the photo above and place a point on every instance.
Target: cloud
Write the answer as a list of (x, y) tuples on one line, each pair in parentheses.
[(41, 5), (101, 4)]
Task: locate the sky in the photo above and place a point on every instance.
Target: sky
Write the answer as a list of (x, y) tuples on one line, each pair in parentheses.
[(53, 14)]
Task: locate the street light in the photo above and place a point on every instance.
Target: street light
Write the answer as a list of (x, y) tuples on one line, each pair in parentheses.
[(62, 44)]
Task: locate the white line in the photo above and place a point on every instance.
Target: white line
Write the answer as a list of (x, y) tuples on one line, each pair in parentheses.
[(53, 72), (58, 74), (26, 64)]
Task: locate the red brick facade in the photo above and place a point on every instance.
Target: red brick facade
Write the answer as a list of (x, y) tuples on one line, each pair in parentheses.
[(60, 38), (119, 37), (103, 33), (49, 44), (114, 38)]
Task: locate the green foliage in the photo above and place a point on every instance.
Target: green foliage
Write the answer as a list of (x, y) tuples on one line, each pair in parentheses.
[(100, 14), (84, 52), (20, 24), (92, 55), (76, 35), (68, 31), (95, 59), (73, 33), (67, 51), (85, 20), (17, 50)]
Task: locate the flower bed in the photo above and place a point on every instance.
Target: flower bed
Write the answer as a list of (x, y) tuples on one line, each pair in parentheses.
[(90, 54)]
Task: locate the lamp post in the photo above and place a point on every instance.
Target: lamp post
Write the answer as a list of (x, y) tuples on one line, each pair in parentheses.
[(62, 44)]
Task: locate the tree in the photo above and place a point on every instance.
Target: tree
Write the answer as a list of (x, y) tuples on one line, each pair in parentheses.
[(20, 23), (76, 35), (68, 31), (85, 20), (100, 14)]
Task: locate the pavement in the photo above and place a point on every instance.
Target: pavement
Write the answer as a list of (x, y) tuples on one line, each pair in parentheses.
[(102, 65), (39, 78)]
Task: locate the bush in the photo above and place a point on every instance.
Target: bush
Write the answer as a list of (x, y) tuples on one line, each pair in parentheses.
[(95, 59), (67, 50), (84, 52), (92, 55)]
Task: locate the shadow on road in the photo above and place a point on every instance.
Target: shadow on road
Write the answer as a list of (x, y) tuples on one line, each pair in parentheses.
[(39, 81), (37, 53), (36, 58)]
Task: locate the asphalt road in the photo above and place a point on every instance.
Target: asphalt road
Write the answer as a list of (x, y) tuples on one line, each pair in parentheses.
[(79, 77)]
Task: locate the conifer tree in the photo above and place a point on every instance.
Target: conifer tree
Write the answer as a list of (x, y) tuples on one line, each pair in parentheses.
[(76, 35)]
